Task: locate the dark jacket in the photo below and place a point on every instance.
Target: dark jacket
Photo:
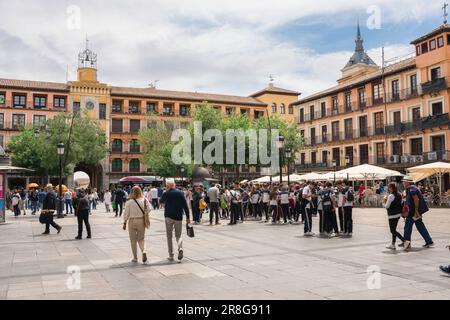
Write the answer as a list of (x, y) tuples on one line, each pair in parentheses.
[(49, 202), (81, 203), (119, 196), (396, 205), (410, 193), (174, 204)]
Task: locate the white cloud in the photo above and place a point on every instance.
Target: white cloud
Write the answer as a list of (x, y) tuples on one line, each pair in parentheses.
[(204, 45)]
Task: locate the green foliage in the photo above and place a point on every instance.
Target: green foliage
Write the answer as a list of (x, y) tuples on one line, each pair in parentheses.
[(35, 147), (158, 145)]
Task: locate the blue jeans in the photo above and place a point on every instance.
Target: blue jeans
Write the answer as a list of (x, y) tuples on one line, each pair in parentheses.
[(34, 206), (420, 227), (68, 205)]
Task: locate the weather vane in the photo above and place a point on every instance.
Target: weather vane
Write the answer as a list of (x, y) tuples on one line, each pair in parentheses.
[(444, 8), (271, 78)]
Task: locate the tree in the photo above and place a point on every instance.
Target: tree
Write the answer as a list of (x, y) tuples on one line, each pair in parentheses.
[(35, 147)]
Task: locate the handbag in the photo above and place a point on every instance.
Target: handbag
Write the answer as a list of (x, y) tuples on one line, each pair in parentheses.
[(146, 216), (190, 231)]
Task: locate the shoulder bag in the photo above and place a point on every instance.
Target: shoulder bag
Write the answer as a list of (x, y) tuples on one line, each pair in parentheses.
[(145, 213)]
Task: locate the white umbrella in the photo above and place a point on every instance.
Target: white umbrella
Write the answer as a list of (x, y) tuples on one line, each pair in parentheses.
[(311, 177), (330, 176), (429, 169), (365, 171), (265, 179)]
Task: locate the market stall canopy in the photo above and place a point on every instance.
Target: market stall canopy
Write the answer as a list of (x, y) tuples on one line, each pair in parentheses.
[(13, 168), (424, 171), (265, 179), (140, 179), (368, 171), (329, 176), (311, 177), (292, 178)]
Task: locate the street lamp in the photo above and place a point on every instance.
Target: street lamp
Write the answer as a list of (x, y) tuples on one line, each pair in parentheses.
[(347, 162), (288, 155), (334, 163), (60, 150), (280, 155)]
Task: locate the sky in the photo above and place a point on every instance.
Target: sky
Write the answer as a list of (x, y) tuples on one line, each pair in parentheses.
[(215, 46)]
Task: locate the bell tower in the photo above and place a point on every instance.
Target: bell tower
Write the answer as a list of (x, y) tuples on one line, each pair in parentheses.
[(87, 65)]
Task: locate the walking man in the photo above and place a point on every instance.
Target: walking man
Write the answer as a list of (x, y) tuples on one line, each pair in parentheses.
[(48, 208), (154, 197), (213, 195), (348, 209), (175, 205), (68, 201), (119, 197), (416, 208)]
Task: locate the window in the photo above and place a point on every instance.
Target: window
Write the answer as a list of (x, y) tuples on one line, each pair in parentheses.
[(311, 112), (348, 125), (230, 110), (377, 93), (418, 50), (424, 47), (117, 106), (2, 121), (436, 108), (184, 110), (379, 123), (18, 121), (151, 107), (380, 157), (168, 109), (102, 111), (438, 143), (324, 134), (349, 156), (413, 84), (117, 125), (432, 45), (348, 101), (59, 102), (39, 119), (19, 100), (134, 146), (335, 130), (2, 98), (448, 39), (313, 136), (135, 126), (361, 97), (336, 155), (416, 147), (440, 41), (395, 90), (282, 108), (396, 115), (116, 165), (291, 110), (135, 165), (302, 159), (324, 156), (40, 102), (397, 148), (302, 115), (133, 107), (335, 104), (323, 109), (363, 130), (76, 107), (2, 141), (435, 73), (415, 114), (364, 154), (313, 157), (274, 108), (116, 145)]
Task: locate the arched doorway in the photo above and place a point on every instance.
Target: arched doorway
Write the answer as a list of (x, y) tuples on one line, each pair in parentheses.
[(95, 174)]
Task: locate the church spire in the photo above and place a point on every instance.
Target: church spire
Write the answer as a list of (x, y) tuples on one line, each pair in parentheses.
[(359, 56)]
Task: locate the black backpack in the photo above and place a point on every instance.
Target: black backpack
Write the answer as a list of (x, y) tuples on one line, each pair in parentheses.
[(349, 195), (326, 200)]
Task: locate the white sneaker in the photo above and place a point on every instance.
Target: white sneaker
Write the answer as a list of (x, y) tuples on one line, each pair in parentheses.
[(406, 246), (391, 246)]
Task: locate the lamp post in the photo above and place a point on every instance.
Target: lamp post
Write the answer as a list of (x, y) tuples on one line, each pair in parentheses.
[(347, 162), (334, 163), (288, 155), (182, 176), (280, 155), (60, 149)]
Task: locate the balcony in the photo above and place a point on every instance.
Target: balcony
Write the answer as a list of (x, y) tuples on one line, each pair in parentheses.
[(434, 85)]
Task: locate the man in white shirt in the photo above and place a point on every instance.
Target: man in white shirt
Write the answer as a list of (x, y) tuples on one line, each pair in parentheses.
[(308, 196), (153, 195), (213, 194)]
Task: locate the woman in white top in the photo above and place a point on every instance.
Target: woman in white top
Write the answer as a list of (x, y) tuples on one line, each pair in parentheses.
[(135, 210), (107, 198)]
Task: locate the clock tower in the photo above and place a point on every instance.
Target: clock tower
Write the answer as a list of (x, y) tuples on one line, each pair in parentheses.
[(91, 98)]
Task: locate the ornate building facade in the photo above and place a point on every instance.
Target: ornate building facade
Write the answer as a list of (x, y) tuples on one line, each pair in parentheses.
[(394, 116)]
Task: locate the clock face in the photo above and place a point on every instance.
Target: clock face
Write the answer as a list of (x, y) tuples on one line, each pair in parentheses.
[(90, 105)]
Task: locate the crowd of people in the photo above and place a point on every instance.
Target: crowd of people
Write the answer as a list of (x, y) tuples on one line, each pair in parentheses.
[(236, 203)]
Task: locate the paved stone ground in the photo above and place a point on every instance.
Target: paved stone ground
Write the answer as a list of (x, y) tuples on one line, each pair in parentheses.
[(248, 261)]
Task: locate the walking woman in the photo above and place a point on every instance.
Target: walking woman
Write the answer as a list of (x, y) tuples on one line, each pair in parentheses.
[(82, 208), (393, 204), (137, 210), (273, 209)]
